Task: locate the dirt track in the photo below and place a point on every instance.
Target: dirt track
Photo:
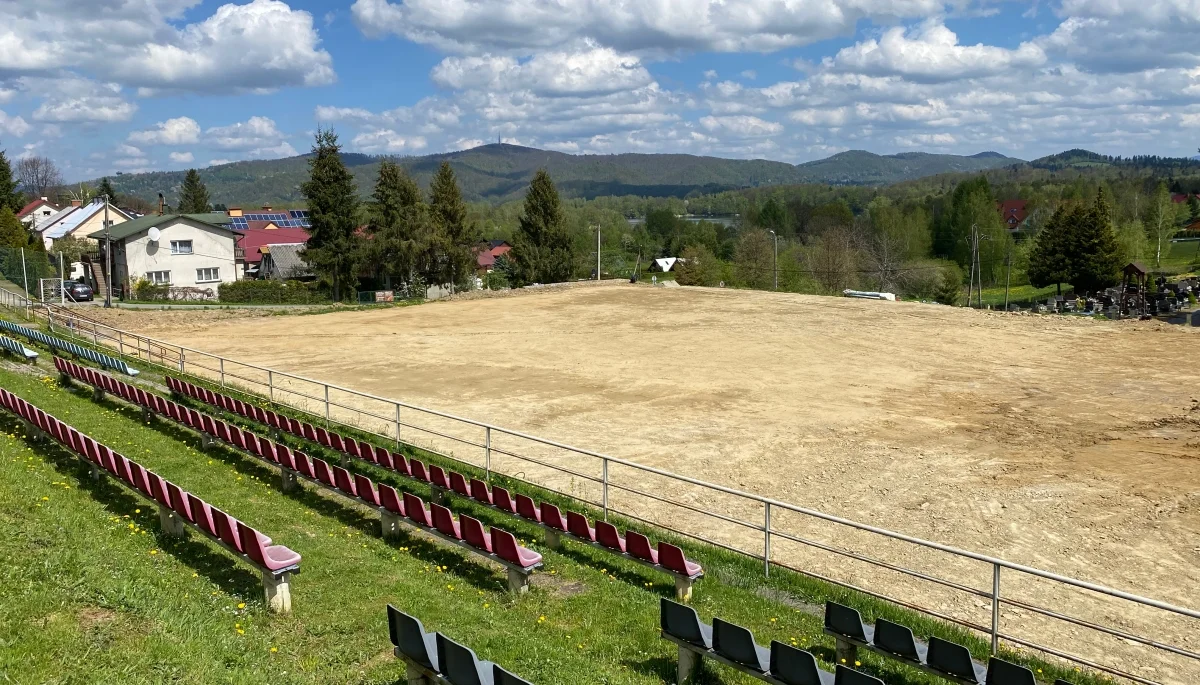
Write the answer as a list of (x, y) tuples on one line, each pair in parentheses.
[(1065, 444)]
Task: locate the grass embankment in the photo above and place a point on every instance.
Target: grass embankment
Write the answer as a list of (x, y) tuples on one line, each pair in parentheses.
[(90, 586)]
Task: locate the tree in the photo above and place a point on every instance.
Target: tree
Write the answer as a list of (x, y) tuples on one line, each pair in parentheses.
[(105, 188), (833, 260), (1160, 222), (772, 216), (1095, 254), (1048, 260), (399, 223), (698, 266), (753, 259), (1194, 207), (457, 237), (10, 198), (72, 248), (38, 175), (12, 231), (333, 206), (542, 249), (193, 198)]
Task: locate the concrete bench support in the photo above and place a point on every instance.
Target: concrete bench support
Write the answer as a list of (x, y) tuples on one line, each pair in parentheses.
[(437, 495), (518, 582), (688, 661), (390, 522), (278, 591), (683, 588), (845, 651), (147, 415), (287, 480), (95, 472), (171, 524), (34, 433), (414, 676), (97, 394), (553, 540)]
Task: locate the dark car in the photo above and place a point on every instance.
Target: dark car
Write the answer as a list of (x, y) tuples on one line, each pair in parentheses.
[(77, 292)]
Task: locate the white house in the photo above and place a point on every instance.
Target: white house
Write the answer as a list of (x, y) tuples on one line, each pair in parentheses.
[(180, 250), (82, 220), (37, 212)]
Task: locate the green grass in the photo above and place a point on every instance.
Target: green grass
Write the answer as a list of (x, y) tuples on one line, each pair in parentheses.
[(1023, 295), (83, 592)]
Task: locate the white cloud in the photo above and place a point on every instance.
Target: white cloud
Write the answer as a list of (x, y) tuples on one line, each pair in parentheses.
[(80, 100), (589, 72), (255, 132), (126, 150), (1125, 36), (741, 126), (182, 157), (386, 141), (14, 126), (750, 74), (219, 162), (178, 131)]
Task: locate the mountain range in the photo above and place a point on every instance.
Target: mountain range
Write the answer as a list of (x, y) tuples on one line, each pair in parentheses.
[(499, 173)]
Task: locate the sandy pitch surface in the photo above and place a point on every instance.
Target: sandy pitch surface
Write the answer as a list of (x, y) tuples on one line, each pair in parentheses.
[(1065, 444)]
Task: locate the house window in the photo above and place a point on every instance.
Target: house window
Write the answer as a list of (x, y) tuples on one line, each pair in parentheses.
[(181, 247), (159, 277), (208, 275)]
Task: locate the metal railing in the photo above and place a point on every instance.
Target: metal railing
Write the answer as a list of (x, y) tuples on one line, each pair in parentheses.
[(1117, 622)]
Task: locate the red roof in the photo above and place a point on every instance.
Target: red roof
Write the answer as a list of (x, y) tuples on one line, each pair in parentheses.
[(255, 238), (486, 257), (34, 205), (1177, 198), (1013, 213)]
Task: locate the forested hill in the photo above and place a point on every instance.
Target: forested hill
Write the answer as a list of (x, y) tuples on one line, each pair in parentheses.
[(498, 173)]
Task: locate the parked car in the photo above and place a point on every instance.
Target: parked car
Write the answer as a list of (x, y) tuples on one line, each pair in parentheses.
[(77, 292)]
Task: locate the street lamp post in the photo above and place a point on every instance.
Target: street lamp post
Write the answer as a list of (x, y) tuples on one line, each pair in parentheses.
[(775, 260), (107, 257)]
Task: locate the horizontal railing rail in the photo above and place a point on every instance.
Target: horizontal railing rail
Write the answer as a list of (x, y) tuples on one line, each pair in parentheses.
[(433, 430)]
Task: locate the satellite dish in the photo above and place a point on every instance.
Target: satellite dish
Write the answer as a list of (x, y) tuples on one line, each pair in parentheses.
[(154, 234)]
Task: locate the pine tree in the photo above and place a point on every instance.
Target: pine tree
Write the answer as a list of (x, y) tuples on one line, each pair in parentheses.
[(457, 238), (12, 231), (1048, 259), (333, 206), (1095, 256), (542, 250), (10, 197), (1194, 207), (105, 188), (399, 225), (193, 198)]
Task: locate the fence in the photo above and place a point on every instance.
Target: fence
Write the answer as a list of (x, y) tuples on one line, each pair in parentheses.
[(1120, 633)]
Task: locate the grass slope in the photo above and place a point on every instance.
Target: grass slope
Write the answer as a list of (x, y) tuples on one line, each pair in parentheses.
[(90, 586), (859, 167)]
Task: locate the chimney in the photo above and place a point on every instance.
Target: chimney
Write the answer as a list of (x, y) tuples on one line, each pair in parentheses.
[(266, 208), (162, 205), (76, 203), (45, 199)]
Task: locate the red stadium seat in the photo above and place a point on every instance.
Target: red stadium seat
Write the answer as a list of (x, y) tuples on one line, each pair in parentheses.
[(502, 500), (607, 535), (638, 546), (414, 509), (389, 500), (444, 521), (552, 517), (577, 524), (366, 489), (473, 533), (459, 484), (342, 481), (671, 558), (527, 509), (504, 544), (479, 491)]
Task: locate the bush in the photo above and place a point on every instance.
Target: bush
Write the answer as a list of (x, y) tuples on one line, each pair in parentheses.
[(144, 290), (271, 292), (949, 290), (698, 266)]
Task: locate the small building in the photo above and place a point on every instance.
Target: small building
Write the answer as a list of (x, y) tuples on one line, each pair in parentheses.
[(36, 213), (81, 221), (485, 257), (251, 240), (282, 262), (180, 250), (1014, 214)]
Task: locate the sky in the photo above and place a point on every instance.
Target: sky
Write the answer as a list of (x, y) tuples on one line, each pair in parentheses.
[(107, 86)]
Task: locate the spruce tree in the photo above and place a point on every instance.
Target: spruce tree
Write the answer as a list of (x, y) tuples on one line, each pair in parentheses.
[(399, 223), (1094, 255), (542, 250), (105, 188), (1048, 263), (333, 206), (12, 232), (10, 197), (457, 237), (193, 198)]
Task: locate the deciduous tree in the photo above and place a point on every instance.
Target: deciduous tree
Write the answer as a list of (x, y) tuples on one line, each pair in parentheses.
[(38, 175), (1160, 222)]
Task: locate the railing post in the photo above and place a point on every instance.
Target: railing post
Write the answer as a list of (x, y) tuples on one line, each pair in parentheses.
[(271, 384), (397, 426), (121, 341), (767, 539), (487, 453), (327, 405), (182, 363), (604, 492), (222, 362), (995, 608)]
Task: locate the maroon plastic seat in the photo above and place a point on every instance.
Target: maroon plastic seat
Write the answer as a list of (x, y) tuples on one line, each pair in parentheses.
[(578, 525), (285, 457), (414, 509), (671, 558), (250, 440), (366, 489), (121, 465), (259, 549), (638, 545), (417, 470), (303, 465), (607, 535), (388, 499), (473, 533), (266, 449), (459, 484), (309, 433), (235, 438), (527, 509), (138, 475), (348, 446), (343, 481), (479, 491), (384, 459), (552, 517), (260, 415), (179, 503), (366, 451), (240, 407), (322, 436), (227, 529), (321, 472), (196, 421), (335, 442), (399, 464), (505, 546), (444, 521), (158, 489), (438, 477), (202, 514), (295, 428)]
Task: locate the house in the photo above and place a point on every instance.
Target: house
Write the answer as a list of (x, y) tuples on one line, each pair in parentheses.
[(180, 250), (282, 262), (240, 220), (485, 256), (1179, 198), (82, 221), (1014, 214), (37, 212), (257, 236)]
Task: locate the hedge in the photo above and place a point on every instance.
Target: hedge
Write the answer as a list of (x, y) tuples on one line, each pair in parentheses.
[(272, 292)]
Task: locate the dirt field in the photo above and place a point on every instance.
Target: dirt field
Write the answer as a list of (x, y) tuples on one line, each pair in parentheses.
[(1065, 444)]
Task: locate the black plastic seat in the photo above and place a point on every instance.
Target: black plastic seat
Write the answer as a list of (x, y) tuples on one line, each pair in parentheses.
[(954, 660), (796, 666), (683, 623), (409, 636), (737, 644), (503, 677), (460, 665), (1001, 672), (849, 676), (842, 620), (896, 639)]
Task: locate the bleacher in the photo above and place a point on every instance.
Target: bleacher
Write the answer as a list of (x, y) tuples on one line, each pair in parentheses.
[(17, 349), (601, 535), (177, 508), (497, 545), (435, 658), (78, 351)]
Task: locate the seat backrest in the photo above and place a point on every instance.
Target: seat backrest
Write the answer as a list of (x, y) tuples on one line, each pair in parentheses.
[(526, 508), (417, 469), (552, 517), (252, 544), (178, 502), (843, 620), (343, 482), (501, 498), (227, 527), (321, 471), (302, 464), (473, 534), (950, 658), (794, 666), (389, 500), (438, 477), (895, 638), (503, 677), (671, 557), (459, 484), (1001, 672), (443, 520), (578, 525), (848, 676), (682, 622), (414, 509), (607, 535), (638, 545), (504, 545), (365, 489), (383, 458), (459, 664), (408, 635), (735, 643)]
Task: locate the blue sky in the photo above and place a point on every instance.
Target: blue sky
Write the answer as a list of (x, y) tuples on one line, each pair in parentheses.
[(135, 85)]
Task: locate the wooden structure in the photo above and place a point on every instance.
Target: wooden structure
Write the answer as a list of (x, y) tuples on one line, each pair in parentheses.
[(1133, 290)]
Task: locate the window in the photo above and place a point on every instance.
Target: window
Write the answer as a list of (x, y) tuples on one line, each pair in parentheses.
[(159, 277), (208, 275), (181, 247)]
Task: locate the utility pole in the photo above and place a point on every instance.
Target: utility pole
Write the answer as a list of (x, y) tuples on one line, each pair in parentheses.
[(775, 261), (108, 248), (62, 278), (1007, 275), (597, 252), (971, 245)]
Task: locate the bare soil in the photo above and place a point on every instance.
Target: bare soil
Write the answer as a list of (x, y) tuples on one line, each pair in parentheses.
[(1062, 443)]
